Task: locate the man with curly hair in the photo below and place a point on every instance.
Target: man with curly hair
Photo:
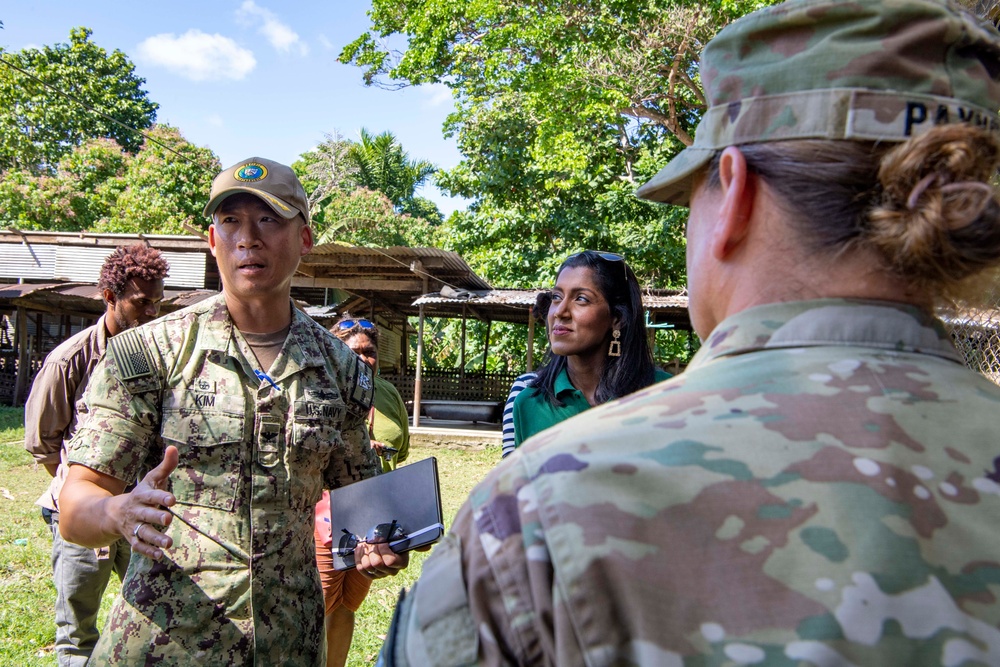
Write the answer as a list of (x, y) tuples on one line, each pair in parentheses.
[(131, 284)]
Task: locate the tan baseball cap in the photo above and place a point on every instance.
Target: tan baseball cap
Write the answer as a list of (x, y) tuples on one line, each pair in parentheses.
[(862, 70), (273, 182)]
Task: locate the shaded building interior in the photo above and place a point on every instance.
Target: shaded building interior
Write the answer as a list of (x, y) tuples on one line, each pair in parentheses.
[(48, 292)]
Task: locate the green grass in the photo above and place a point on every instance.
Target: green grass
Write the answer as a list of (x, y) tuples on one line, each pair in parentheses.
[(27, 629)]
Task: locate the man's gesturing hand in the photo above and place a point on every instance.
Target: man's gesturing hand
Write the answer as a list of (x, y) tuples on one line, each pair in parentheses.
[(144, 510)]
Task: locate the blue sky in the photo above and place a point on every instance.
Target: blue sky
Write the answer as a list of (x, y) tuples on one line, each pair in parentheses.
[(249, 77)]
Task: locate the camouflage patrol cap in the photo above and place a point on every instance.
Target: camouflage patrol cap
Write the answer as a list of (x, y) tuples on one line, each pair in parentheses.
[(865, 70), (273, 182)]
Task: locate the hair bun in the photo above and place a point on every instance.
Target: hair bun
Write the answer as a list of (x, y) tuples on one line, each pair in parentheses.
[(937, 205)]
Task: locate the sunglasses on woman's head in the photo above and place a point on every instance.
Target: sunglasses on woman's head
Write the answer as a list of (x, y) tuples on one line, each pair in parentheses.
[(344, 325), (606, 256)]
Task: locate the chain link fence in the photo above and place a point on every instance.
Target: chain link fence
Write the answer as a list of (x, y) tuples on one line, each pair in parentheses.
[(976, 332)]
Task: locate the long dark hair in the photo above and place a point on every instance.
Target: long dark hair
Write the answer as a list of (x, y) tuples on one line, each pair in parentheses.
[(634, 369)]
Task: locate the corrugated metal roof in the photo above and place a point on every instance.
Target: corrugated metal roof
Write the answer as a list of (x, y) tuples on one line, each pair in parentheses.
[(16, 290), (337, 261), (526, 297), (514, 305), (83, 299), (38, 261), (94, 239), (182, 299), (984, 318)]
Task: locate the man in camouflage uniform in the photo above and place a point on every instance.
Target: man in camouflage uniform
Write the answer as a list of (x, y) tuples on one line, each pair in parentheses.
[(234, 413), (131, 284), (819, 487)]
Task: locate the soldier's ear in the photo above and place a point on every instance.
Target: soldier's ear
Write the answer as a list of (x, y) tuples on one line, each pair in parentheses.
[(307, 239), (109, 297)]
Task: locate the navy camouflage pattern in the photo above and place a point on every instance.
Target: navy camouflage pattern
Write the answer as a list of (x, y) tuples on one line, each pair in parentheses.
[(240, 585), (820, 487)]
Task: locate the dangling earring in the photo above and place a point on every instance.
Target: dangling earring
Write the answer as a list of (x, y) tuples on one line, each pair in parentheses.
[(615, 350)]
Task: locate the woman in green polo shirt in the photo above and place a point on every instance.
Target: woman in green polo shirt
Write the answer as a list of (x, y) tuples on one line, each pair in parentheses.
[(598, 350)]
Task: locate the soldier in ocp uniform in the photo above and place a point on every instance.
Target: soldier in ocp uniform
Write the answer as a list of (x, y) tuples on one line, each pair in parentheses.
[(232, 415), (821, 486)]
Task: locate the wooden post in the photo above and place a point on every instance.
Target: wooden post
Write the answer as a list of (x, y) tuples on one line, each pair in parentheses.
[(486, 349), (23, 357), (461, 354), (417, 268), (418, 380), (404, 348), (531, 341)]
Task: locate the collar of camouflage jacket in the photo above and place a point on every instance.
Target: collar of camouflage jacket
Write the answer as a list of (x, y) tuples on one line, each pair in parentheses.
[(824, 322), (302, 351)]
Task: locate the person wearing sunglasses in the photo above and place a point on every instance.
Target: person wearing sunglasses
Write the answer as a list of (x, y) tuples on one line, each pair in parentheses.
[(821, 486), (345, 591), (598, 349)]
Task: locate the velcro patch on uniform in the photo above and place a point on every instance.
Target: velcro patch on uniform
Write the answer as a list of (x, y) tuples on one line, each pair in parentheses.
[(441, 608), (363, 392), (131, 355)]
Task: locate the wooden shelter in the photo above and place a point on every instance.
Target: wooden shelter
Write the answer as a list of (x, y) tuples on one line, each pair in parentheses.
[(664, 308), (51, 294), (36, 317)]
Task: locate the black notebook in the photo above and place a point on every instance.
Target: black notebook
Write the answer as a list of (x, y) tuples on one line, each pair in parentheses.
[(402, 507)]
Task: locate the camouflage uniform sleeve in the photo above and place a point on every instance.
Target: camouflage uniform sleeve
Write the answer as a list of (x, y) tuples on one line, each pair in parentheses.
[(123, 397), (485, 594), (356, 460)]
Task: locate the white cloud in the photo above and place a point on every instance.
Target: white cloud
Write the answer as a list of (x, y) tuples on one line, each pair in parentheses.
[(198, 56), (436, 94), (215, 120), (278, 34), (325, 43)]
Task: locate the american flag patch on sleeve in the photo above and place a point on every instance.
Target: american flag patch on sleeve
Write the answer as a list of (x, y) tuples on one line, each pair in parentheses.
[(131, 355)]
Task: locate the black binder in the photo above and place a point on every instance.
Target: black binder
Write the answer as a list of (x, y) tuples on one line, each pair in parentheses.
[(410, 496)]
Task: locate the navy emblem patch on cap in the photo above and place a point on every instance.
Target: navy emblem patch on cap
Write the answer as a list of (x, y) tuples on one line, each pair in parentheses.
[(251, 172)]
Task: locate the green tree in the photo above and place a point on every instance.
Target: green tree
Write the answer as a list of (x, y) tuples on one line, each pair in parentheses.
[(367, 218), (326, 171), (381, 164), (161, 191), (364, 192), (98, 187), (38, 125), (562, 111)]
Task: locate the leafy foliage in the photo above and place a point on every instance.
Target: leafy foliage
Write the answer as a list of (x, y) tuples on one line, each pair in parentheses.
[(562, 109), (367, 218), (381, 164), (98, 187), (38, 126), (325, 171), (364, 192)]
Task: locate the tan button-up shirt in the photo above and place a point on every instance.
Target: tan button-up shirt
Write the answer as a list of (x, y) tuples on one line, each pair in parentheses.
[(55, 405)]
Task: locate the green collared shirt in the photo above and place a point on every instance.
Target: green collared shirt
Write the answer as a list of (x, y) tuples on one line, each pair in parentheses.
[(533, 414)]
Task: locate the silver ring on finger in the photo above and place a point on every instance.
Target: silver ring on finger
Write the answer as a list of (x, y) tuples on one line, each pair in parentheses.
[(135, 533)]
